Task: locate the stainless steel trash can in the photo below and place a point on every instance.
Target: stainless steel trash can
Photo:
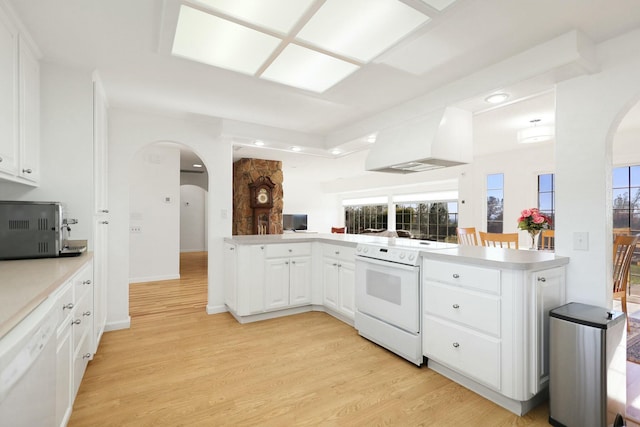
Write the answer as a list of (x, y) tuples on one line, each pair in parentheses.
[(587, 366)]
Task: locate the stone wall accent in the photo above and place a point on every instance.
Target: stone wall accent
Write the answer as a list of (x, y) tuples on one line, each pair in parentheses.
[(246, 171)]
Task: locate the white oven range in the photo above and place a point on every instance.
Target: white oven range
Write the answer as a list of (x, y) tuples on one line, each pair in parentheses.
[(388, 298)]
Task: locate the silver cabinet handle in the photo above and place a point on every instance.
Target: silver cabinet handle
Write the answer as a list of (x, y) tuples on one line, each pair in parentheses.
[(339, 265), (290, 250), (1, 159), (335, 264), (86, 282), (232, 248), (86, 313), (67, 306), (26, 171), (456, 306), (456, 276), (293, 262), (104, 210), (76, 322), (104, 222), (86, 356), (286, 262), (262, 247), (542, 279), (456, 345), (337, 252)]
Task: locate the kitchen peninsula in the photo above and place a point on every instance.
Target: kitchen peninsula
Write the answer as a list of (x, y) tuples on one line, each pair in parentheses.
[(483, 310)]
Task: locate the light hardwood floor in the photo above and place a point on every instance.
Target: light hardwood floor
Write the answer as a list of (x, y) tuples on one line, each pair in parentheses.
[(178, 366)]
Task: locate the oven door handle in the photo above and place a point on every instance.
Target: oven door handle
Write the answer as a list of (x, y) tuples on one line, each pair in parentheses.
[(387, 264)]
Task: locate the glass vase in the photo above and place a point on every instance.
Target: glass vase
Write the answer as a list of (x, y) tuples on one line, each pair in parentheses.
[(534, 239)]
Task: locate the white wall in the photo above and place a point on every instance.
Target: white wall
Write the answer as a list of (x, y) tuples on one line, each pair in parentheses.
[(154, 207), (588, 111), (193, 230), (66, 147), (130, 131)]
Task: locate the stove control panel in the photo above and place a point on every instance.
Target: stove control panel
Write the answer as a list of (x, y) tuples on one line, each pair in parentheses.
[(392, 254)]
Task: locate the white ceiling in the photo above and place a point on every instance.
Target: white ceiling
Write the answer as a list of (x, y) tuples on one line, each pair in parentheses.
[(129, 42)]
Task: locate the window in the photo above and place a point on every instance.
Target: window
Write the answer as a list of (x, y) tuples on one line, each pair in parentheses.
[(546, 196), (626, 198), (359, 219), (495, 203), (433, 220)]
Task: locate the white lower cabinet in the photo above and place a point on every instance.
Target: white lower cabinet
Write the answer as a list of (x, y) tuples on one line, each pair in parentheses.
[(74, 338), (64, 354), (490, 326), (338, 279), (287, 279), (262, 278)]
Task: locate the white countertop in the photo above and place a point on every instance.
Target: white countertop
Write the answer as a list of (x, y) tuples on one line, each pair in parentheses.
[(26, 283), (515, 259), (512, 259)]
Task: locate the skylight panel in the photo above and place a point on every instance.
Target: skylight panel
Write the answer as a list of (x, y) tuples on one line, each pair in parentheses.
[(278, 15), (307, 69), (206, 38), (439, 5), (360, 29)]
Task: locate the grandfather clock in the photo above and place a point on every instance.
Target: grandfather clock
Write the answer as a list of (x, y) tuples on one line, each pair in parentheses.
[(261, 203)]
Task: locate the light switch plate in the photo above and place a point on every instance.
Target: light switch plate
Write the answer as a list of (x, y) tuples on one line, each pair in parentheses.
[(581, 240)]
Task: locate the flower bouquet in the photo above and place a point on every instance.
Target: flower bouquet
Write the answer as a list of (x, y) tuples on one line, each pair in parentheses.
[(533, 221)]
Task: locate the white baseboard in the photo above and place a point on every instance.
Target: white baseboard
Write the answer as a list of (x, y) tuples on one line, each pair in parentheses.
[(153, 278), (114, 326), (216, 309)]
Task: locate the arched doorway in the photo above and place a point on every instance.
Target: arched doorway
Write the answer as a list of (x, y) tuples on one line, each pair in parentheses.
[(161, 264)]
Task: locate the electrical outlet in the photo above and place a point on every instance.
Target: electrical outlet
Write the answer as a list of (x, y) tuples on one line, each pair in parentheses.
[(135, 229)]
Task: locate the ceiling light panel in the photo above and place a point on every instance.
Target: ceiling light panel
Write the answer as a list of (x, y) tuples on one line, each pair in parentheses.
[(307, 69), (360, 29), (277, 15), (215, 41), (438, 4)]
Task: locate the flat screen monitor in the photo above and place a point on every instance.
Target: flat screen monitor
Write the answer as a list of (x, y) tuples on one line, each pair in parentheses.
[(294, 221)]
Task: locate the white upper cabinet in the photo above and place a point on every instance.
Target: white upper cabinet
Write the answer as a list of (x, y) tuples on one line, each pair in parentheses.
[(8, 96), (29, 114), (19, 104)]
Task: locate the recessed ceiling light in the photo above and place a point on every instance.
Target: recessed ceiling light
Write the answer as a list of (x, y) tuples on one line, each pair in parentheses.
[(497, 98), (360, 29), (197, 165), (206, 38), (258, 142), (335, 152), (296, 149)]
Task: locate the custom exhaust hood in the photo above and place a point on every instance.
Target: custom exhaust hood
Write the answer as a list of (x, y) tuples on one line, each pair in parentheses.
[(439, 139)]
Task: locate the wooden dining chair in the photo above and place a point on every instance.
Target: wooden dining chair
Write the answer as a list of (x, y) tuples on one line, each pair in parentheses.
[(499, 240), (548, 239), (467, 236), (623, 248), (623, 231)]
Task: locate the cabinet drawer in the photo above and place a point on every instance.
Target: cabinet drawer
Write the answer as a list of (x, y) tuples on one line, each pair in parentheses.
[(82, 318), (65, 303), (470, 353), (474, 309), (341, 252), (287, 250), (479, 278)]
